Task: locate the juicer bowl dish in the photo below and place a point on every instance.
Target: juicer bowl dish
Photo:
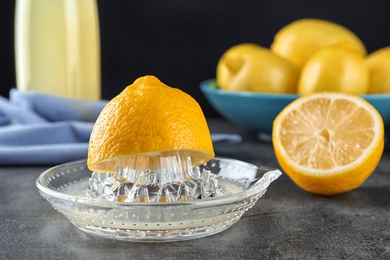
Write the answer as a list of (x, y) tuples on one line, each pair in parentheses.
[(243, 184)]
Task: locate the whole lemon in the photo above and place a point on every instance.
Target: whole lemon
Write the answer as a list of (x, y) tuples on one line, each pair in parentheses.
[(250, 67), (379, 68), (300, 39), (334, 68)]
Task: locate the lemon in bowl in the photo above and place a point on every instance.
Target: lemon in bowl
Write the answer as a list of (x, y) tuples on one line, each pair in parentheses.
[(378, 63), (251, 67), (253, 83), (300, 39), (336, 68)]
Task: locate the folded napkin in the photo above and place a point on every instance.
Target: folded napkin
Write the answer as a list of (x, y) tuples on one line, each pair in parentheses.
[(38, 129), (42, 129)]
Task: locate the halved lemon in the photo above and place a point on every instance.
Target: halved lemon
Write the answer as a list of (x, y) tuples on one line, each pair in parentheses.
[(328, 143), (149, 118)]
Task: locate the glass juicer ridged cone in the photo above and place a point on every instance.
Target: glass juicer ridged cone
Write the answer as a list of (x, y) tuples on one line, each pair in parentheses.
[(162, 177)]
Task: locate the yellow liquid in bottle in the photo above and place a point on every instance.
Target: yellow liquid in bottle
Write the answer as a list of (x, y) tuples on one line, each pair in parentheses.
[(57, 47)]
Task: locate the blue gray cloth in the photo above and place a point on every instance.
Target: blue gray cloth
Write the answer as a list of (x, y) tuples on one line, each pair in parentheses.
[(41, 129)]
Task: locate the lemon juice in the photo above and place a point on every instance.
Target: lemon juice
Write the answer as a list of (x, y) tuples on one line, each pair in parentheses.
[(57, 47)]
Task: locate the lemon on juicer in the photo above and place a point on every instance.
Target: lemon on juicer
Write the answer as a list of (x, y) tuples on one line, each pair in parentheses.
[(148, 118)]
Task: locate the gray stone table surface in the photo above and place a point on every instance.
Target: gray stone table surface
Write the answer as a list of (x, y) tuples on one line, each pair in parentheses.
[(286, 223)]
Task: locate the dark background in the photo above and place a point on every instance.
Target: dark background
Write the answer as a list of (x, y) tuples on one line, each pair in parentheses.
[(180, 41)]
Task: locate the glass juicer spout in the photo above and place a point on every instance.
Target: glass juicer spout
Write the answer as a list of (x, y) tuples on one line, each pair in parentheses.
[(167, 176)]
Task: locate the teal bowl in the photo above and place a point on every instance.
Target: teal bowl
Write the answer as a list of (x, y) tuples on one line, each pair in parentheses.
[(257, 111), (382, 103)]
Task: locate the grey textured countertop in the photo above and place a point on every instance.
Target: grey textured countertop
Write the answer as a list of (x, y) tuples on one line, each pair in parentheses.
[(286, 223)]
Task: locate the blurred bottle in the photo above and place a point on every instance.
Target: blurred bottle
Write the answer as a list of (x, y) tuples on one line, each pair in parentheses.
[(57, 47)]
